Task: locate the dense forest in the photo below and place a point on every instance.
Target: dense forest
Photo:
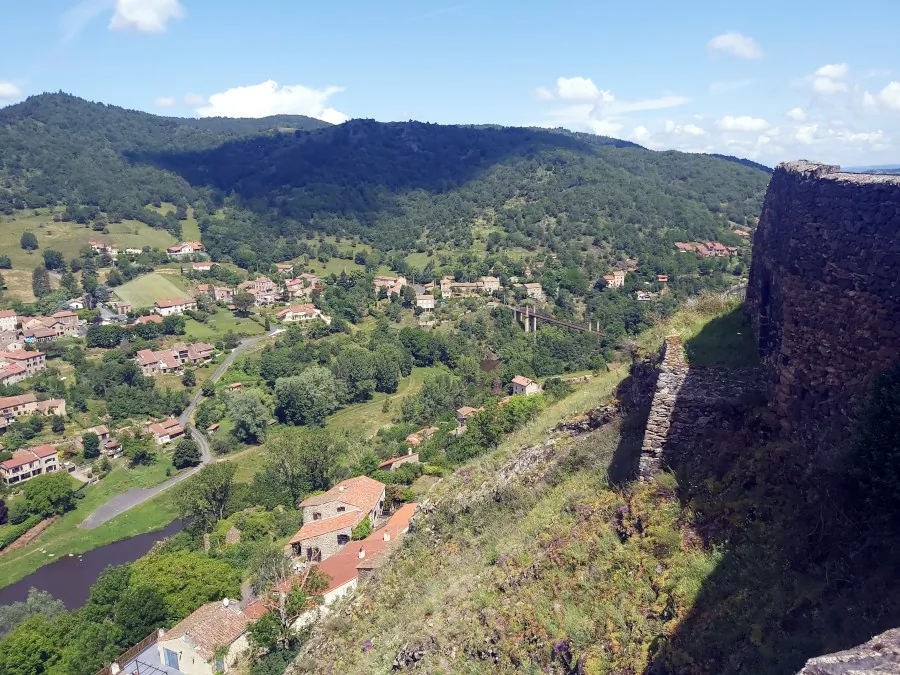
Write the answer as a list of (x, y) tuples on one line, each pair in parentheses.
[(399, 186)]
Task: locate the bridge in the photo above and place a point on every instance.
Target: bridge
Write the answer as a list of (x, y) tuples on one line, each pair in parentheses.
[(529, 317)]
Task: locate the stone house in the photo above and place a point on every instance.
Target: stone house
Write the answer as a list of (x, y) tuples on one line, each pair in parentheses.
[(418, 437), (391, 284), (329, 517), (534, 290), (463, 414), (30, 362), (319, 540), (53, 406), (185, 248), (392, 463), (525, 385), (615, 280), (207, 641)]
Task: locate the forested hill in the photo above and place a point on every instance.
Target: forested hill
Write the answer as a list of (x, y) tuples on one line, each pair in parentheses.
[(397, 185)]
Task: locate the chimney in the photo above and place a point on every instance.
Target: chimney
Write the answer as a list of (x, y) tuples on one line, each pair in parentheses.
[(362, 552), (225, 602), (114, 668), (387, 536), (342, 488), (409, 452)]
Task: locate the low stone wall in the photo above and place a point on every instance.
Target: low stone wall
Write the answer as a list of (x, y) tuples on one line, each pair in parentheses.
[(687, 400), (673, 372)]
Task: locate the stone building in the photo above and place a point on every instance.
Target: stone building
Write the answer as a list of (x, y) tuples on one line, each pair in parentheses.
[(823, 294)]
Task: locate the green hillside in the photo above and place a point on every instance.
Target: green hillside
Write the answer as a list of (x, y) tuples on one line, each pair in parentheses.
[(396, 185)]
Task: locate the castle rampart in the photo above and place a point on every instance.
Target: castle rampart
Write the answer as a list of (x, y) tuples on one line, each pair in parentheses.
[(824, 293)]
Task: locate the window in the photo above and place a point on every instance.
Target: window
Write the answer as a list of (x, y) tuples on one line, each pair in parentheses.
[(317, 516), (343, 539), (171, 658)]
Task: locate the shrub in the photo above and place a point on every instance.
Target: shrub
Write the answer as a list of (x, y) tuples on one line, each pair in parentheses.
[(361, 531), (13, 533), (186, 454)]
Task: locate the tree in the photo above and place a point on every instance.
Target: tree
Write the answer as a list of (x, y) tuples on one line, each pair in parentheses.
[(356, 367), (189, 379), (90, 444), (243, 301), (53, 260), (28, 241), (4, 509), (362, 530), (5, 262), (185, 580), (300, 460), (187, 453), (205, 495), (140, 610), (37, 602), (307, 398), (49, 494), (386, 360), (139, 450), (249, 414), (208, 388), (58, 424), (40, 282), (34, 647)]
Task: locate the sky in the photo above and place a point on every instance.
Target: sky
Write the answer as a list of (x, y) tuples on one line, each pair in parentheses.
[(770, 81)]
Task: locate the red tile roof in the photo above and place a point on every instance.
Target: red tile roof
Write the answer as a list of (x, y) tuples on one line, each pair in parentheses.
[(172, 302), (12, 401), (19, 458), (212, 626), (20, 355), (6, 313), (522, 381), (152, 318), (362, 492), (45, 450), (319, 527), (341, 568), (412, 457)]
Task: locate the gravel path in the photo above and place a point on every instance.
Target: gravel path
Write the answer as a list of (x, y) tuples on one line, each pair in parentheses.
[(134, 496)]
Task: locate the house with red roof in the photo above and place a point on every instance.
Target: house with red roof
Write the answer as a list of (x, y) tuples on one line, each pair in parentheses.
[(525, 385), (207, 641), (12, 407), (185, 248), (173, 306), (166, 431), (392, 463), (302, 313), (8, 320), (26, 464), (329, 518)]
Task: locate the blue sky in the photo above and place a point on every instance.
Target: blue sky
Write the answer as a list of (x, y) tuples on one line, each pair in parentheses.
[(766, 80)]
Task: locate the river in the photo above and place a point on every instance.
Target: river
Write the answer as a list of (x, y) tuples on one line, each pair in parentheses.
[(70, 578)]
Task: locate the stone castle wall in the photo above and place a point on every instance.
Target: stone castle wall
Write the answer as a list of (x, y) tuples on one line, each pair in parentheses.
[(824, 294)]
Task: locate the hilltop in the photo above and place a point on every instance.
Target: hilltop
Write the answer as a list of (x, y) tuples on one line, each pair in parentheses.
[(395, 185)]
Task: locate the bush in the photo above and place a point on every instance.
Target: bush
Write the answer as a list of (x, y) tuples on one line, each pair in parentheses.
[(14, 533), (361, 531), (18, 512), (28, 242), (287, 522)]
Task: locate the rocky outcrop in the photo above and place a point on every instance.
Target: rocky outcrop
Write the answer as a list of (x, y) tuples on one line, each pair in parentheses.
[(824, 294), (878, 656)]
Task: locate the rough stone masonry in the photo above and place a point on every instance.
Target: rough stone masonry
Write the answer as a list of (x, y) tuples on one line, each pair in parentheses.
[(824, 294)]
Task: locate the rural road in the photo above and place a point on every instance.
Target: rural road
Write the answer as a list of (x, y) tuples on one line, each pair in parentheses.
[(134, 496)]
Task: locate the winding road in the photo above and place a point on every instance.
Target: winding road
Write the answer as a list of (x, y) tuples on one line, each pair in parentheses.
[(134, 496)]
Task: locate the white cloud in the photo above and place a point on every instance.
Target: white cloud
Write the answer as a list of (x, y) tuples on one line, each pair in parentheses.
[(796, 114), (806, 133), (641, 134), (267, 98), (164, 102), (9, 91), (742, 123), (736, 44), (145, 16), (543, 94), (579, 89), (889, 97), (194, 100), (693, 130), (833, 71), (829, 79)]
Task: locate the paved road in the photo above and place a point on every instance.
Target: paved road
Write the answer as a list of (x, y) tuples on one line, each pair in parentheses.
[(134, 496)]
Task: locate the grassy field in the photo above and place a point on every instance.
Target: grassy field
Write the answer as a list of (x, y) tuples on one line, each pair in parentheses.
[(68, 238), (64, 536), (147, 289), (220, 323), (190, 230)]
